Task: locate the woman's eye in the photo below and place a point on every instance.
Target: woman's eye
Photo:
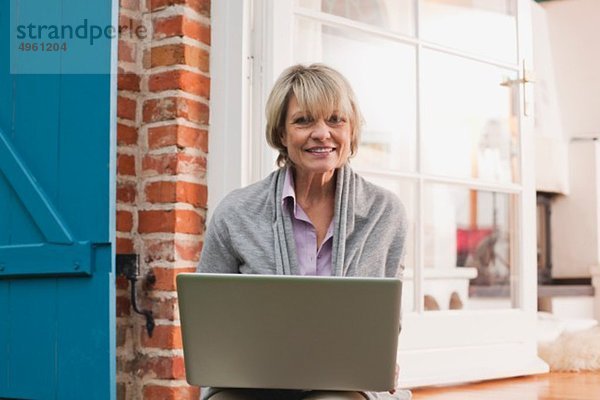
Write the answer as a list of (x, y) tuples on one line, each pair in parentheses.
[(302, 120), (336, 119)]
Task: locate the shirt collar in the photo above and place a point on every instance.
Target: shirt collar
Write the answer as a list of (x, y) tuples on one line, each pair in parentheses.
[(289, 192), (288, 187)]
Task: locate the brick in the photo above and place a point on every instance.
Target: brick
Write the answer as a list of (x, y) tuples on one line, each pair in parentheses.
[(123, 306), (192, 193), (178, 54), (128, 81), (168, 27), (131, 28), (160, 109), (194, 138), (188, 250), (121, 391), (192, 111), (124, 246), (133, 5), (180, 80), (161, 192), (159, 250), (125, 164), (180, 25), (156, 221), (121, 281), (196, 30), (126, 108), (193, 165), (126, 135), (171, 192), (126, 192), (162, 308), (179, 135), (168, 108), (124, 221), (200, 6), (187, 221), (162, 367), (181, 221), (126, 51), (171, 54), (178, 368), (173, 163), (162, 164), (165, 277), (162, 136), (157, 392), (121, 334), (164, 337)]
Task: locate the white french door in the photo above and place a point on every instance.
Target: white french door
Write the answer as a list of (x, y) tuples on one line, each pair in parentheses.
[(442, 84)]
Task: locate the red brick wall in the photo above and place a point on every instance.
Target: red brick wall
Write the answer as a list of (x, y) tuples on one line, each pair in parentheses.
[(162, 134)]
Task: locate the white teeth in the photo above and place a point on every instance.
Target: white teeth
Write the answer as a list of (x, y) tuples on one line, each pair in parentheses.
[(321, 150)]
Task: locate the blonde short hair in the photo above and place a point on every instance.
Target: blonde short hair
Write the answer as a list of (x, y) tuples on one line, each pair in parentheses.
[(320, 91)]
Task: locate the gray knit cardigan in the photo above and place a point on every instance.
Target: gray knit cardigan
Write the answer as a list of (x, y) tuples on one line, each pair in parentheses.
[(251, 233)]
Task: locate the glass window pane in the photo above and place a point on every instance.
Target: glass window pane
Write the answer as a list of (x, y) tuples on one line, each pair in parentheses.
[(406, 191), (484, 27), (469, 123), (383, 75), (468, 239), (394, 15)]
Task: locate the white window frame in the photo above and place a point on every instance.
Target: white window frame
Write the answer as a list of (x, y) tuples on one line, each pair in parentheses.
[(489, 344), (228, 164)]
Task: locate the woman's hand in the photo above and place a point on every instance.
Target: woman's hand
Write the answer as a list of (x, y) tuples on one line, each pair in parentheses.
[(395, 379)]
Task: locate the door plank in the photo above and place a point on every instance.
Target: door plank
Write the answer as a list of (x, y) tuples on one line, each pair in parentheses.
[(32, 338), (83, 358), (4, 330), (81, 164)]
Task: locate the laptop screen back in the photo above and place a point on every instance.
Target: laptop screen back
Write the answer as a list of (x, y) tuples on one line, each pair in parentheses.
[(289, 332)]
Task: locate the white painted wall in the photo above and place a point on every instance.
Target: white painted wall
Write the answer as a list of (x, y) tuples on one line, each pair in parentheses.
[(575, 43), (551, 166), (575, 227), (573, 32)]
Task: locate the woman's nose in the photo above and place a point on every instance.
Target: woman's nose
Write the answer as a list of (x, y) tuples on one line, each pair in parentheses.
[(320, 130)]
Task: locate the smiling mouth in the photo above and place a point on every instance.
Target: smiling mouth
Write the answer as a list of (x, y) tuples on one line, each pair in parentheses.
[(321, 150)]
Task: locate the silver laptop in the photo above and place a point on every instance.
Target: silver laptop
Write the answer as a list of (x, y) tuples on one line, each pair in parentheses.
[(289, 332)]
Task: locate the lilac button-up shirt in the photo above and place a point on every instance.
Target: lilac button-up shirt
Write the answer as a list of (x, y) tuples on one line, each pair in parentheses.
[(311, 260)]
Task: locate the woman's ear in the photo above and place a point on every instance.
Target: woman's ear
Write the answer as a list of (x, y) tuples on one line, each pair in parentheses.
[(283, 138)]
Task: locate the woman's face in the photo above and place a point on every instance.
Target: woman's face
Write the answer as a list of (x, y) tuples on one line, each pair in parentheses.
[(316, 145)]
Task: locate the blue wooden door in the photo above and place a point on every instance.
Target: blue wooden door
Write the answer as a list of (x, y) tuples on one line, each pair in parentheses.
[(57, 326)]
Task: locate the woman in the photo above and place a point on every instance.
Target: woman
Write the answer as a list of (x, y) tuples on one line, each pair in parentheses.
[(314, 215)]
